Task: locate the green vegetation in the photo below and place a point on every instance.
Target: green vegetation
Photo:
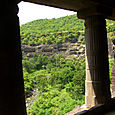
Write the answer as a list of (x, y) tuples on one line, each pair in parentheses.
[(60, 82), (110, 68), (48, 31)]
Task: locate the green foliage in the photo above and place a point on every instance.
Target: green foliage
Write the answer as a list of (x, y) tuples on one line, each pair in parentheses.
[(110, 68), (48, 31), (53, 102), (60, 30), (29, 82), (42, 79), (36, 63), (110, 26), (60, 81)]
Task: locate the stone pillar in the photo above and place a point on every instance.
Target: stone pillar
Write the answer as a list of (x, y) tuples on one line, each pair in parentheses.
[(97, 66), (110, 49), (12, 98), (113, 72)]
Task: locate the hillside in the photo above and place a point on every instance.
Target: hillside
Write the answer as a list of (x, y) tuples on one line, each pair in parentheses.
[(48, 31), (60, 30), (55, 85)]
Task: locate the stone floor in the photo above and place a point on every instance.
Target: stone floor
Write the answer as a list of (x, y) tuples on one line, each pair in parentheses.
[(110, 113)]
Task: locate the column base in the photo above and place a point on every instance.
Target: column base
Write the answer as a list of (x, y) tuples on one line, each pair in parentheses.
[(91, 92)]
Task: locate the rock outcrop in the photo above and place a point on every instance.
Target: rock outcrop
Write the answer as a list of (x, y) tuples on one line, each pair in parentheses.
[(68, 50)]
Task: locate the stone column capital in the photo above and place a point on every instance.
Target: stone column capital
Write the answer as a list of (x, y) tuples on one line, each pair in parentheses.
[(98, 19), (96, 10)]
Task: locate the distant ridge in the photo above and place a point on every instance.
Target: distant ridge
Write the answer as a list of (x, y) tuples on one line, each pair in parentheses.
[(49, 31)]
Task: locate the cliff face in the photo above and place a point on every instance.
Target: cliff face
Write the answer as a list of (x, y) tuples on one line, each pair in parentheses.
[(69, 50)]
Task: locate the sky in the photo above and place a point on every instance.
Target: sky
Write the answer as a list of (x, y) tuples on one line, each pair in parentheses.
[(29, 12)]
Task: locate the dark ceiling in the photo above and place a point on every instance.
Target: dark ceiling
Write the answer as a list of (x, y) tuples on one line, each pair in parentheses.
[(78, 5), (74, 5)]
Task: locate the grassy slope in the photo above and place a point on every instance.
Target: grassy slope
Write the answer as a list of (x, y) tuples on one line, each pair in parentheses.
[(48, 31)]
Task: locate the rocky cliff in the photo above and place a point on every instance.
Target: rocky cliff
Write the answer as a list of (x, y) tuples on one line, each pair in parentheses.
[(69, 50)]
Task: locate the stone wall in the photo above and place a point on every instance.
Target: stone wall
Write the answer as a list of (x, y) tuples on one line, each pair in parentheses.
[(110, 49)]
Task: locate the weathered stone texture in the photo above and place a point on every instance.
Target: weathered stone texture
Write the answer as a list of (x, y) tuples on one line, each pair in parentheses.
[(100, 109), (68, 50), (76, 50), (113, 74), (97, 68)]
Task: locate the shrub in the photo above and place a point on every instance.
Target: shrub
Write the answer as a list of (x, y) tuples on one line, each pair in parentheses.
[(60, 81)]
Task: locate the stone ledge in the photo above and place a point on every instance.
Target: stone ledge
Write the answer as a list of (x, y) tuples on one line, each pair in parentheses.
[(100, 109)]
